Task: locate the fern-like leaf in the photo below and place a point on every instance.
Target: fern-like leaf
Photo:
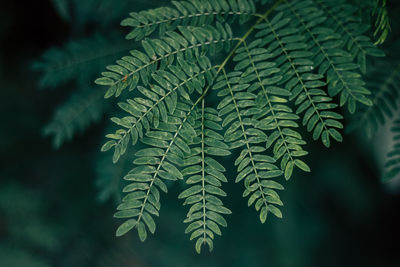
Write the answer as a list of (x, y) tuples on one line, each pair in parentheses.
[(78, 60), (304, 56), (155, 165), (392, 165), (205, 178), (159, 103), (160, 53), (330, 59), (193, 13), (290, 53), (161, 120), (254, 167), (385, 87), (261, 79), (75, 115), (343, 19)]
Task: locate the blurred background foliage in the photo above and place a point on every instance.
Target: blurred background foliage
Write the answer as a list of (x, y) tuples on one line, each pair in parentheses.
[(56, 206)]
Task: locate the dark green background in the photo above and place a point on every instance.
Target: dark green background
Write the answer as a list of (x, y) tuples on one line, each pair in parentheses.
[(339, 215)]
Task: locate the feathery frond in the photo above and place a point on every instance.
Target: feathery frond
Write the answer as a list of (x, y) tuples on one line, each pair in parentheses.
[(253, 167), (160, 102), (78, 60), (193, 13), (160, 53), (162, 122), (392, 165), (384, 81), (75, 115), (330, 58), (291, 55), (168, 147), (290, 65), (343, 19), (205, 177)]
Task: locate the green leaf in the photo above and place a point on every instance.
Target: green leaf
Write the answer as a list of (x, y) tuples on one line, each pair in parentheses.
[(171, 169), (125, 227), (274, 210), (190, 191), (108, 145), (198, 245), (214, 151), (104, 81), (149, 222), (289, 170), (142, 231), (263, 214), (302, 165)]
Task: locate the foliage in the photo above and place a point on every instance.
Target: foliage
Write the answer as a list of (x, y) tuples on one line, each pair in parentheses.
[(384, 86), (302, 54), (205, 80), (55, 205)]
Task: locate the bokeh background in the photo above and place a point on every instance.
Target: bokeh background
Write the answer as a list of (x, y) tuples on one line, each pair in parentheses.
[(58, 192)]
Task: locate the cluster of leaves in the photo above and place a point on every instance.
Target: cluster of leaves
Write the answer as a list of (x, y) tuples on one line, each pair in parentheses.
[(184, 13), (287, 67), (384, 81), (199, 90)]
